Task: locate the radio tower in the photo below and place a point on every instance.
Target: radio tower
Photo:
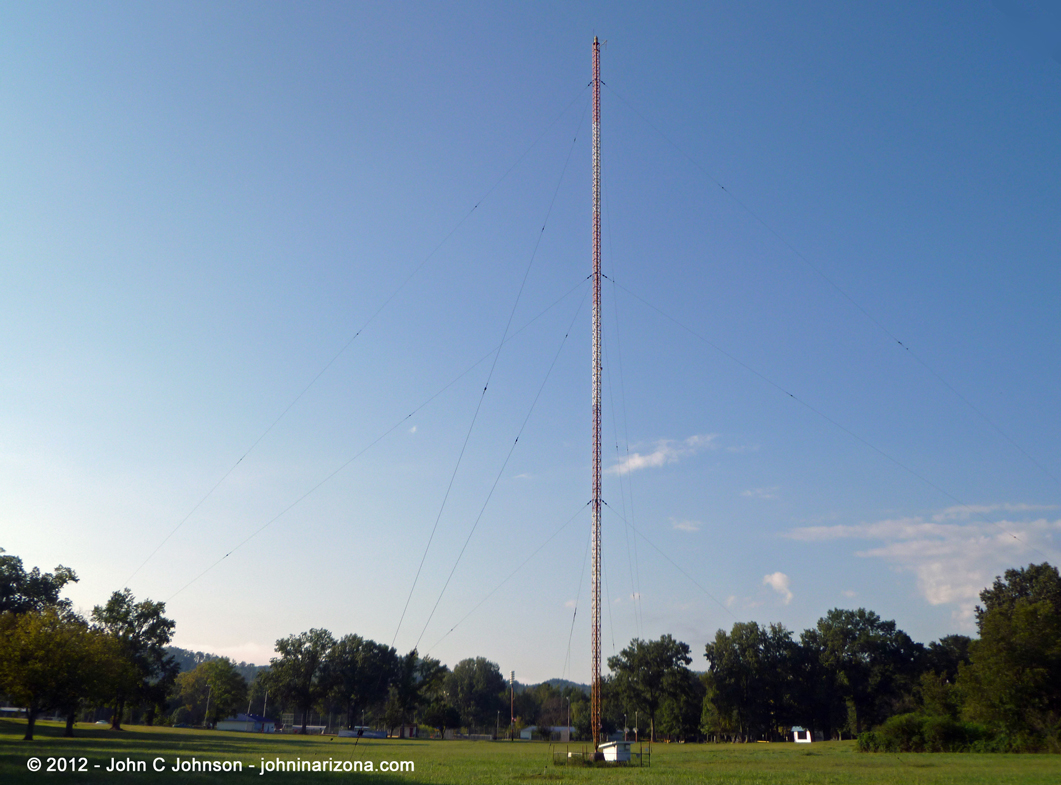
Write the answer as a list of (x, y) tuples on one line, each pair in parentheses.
[(595, 696)]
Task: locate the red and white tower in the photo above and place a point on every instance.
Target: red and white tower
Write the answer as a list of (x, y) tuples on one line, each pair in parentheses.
[(595, 687)]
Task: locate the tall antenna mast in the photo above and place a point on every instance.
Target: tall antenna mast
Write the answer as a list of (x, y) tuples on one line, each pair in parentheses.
[(595, 689)]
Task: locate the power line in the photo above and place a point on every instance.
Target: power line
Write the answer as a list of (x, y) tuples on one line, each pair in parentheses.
[(511, 575), (634, 567), (674, 564), (622, 494), (829, 419), (378, 439), (574, 613), (493, 365), (501, 471), (843, 293), (361, 329)]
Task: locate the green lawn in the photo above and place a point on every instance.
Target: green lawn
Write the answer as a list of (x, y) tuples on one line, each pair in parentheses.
[(491, 762)]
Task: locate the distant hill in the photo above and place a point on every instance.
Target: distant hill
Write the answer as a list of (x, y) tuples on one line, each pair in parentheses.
[(560, 684), (190, 660)]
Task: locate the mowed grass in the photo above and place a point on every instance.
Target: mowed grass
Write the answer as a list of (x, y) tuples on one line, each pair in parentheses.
[(492, 762)]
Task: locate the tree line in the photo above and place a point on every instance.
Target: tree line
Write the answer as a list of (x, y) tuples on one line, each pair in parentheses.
[(52, 659), (853, 674)]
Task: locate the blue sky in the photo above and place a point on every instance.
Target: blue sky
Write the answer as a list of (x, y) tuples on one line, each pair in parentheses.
[(205, 203)]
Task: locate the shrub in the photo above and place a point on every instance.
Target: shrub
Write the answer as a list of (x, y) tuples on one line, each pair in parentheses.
[(921, 733), (904, 733), (870, 741)]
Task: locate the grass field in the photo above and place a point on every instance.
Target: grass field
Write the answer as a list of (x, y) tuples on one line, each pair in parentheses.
[(488, 762)]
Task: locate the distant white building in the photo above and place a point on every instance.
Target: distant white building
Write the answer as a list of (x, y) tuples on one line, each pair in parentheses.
[(247, 723), (802, 735), (618, 751)]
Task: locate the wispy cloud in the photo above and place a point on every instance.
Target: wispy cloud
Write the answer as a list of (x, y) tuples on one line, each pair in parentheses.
[(953, 554), (665, 451), (779, 582), (743, 448), (962, 512), (685, 526), (413, 429), (761, 493)]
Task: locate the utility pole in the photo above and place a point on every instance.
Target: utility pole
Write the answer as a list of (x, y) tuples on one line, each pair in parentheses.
[(595, 684), (512, 706)]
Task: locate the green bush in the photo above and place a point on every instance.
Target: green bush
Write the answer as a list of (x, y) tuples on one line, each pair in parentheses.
[(181, 715), (904, 733), (921, 733), (870, 741)]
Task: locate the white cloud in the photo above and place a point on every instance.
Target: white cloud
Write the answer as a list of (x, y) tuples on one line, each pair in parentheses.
[(962, 512), (779, 582), (413, 429), (850, 594), (685, 526), (952, 555), (760, 493), (570, 604), (743, 448), (666, 451)]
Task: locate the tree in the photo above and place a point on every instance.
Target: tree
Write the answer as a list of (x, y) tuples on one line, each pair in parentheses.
[(1013, 679), (404, 690), (474, 688), (299, 674), (258, 696), (21, 591), (717, 721), (940, 696), (647, 672), (216, 685), (681, 709), (141, 633), (49, 660), (360, 672), (1034, 583), (946, 655), (753, 670), (870, 661), (440, 715)]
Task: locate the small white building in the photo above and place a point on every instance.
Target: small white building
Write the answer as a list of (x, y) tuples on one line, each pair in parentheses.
[(618, 751), (247, 723), (802, 735)]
